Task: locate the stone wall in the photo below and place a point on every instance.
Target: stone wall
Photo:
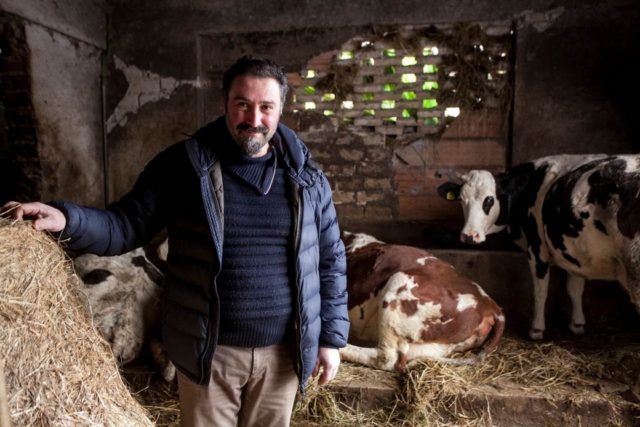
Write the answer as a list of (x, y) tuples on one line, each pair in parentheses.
[(60, 145)]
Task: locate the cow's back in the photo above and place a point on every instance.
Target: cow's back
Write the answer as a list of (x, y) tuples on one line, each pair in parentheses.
[(433, 281), (370, 267), (554, 168), (590, 214)]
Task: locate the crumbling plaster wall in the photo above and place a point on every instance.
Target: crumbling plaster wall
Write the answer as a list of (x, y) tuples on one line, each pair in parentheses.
[(193, 43), (65, 41)]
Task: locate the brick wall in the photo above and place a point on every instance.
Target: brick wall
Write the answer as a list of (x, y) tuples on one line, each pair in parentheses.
[(475, 140), (20, 171), (384, 113)]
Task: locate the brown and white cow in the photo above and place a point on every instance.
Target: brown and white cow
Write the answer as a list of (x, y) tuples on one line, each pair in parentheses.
[(405, 304), (124, 295), (578, 212)]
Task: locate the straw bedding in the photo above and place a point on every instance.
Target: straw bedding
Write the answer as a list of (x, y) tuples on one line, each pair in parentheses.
[(58, 370), (433, 393)]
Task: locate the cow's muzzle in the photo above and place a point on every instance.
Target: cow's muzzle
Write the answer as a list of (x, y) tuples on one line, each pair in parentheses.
[(471, 238)]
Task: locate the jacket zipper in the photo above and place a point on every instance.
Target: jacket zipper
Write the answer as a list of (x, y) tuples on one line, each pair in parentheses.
[(297, 235), (212, 336)]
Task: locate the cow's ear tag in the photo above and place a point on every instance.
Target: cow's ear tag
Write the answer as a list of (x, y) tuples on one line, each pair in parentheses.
[(451, 195)]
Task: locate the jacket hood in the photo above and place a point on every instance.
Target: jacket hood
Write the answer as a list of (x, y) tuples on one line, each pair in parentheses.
[(295, 153)]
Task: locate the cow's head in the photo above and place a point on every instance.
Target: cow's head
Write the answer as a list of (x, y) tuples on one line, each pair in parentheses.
[(478, 193)]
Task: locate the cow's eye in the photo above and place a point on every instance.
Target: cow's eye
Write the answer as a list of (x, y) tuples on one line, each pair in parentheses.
[(487, 204)]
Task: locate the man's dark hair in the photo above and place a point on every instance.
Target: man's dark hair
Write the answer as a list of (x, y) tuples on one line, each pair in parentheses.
[(255, 67)]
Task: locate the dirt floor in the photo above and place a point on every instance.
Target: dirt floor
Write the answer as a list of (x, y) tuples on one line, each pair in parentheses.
[(584, 381)]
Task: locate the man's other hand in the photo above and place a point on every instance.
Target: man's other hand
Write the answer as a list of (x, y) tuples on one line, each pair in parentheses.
[(329, 360)]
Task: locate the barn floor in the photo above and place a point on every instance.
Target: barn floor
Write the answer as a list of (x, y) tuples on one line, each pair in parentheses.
[(588, 381)]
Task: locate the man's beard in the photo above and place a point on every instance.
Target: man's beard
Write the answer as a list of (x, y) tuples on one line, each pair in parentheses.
[(252, 144)]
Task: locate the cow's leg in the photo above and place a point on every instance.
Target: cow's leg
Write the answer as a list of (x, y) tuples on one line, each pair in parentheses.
[(128, 330), (540, 290), (631, 282), (632, 286), (161, 360), (629, 272), (385, 355), (375, 357), (575, 289)]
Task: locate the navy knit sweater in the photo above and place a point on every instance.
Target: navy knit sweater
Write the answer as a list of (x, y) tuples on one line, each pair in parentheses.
[(255, 293)]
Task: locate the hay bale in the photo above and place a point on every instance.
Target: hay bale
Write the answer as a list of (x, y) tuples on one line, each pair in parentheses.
[(58, 370)]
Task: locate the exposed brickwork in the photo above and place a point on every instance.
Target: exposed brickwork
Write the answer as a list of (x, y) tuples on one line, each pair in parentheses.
[(484, 153), (395, 85), (357, 166), (382, 139), (20, 171)]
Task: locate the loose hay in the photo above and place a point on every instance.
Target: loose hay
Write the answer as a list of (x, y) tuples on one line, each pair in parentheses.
[(58, 369), (432, 393), (157, 396)]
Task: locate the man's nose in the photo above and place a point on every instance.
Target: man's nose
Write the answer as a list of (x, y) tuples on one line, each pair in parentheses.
[(254, 117)]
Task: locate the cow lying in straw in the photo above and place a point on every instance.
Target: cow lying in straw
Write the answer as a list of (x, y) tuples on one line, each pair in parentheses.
[(124, 294), (410, 305)]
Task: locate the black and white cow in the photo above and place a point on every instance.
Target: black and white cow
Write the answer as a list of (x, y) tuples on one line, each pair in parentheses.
[(578, 212), (124, 295)]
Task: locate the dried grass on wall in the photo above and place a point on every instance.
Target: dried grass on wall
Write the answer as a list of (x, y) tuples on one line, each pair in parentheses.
[(58, 370)]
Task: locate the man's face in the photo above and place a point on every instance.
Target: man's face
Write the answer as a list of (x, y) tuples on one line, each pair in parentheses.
[(252, 112)]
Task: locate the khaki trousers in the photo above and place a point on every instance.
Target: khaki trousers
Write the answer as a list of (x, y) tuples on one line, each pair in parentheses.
[(248, 387)]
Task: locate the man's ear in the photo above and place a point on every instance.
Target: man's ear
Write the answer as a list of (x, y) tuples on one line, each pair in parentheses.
[(449, 191)]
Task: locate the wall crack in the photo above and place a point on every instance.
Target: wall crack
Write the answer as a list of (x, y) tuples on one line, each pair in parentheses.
[(144, 87)]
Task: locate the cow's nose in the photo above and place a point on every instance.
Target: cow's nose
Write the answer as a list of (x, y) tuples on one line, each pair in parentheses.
[(467, 238)]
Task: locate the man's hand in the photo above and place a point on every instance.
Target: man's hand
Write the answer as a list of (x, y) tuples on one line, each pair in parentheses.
[(45, 217), (329, 360)]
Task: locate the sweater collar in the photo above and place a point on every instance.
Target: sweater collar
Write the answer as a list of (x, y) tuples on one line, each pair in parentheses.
[(256, 172)]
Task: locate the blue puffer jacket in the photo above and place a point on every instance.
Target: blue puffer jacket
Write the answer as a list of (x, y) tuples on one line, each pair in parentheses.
[(181, 189)]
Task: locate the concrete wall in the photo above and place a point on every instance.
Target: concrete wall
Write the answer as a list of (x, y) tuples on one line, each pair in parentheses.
[(20, 168), (65, 41), (576, 83), (67, 103), (81, 20)]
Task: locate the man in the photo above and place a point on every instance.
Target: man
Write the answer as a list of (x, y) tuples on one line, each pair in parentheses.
[(255, 292)]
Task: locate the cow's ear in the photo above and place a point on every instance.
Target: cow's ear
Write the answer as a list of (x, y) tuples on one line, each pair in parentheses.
[(449, 191)]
